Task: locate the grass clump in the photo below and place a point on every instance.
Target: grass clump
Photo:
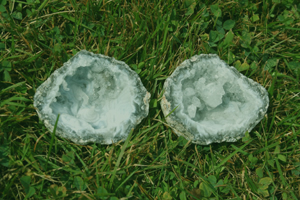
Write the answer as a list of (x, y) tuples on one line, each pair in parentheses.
[(260, 38)]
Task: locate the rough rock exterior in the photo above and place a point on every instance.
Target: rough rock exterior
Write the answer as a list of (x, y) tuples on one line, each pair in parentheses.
[(210, 101), (99, 99)]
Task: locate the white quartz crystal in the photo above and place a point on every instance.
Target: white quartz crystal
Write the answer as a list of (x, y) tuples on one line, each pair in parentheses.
[(99, 99), (215, 103)]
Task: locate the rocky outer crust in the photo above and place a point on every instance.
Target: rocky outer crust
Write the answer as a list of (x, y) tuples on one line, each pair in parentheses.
[(177, 124), (52, 84)]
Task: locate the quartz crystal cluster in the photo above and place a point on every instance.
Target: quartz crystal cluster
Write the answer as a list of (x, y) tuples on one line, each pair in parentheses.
[(210, 101), (99, 99)]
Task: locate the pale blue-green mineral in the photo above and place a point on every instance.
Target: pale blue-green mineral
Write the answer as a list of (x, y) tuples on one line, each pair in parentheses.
[(211, 101), (99, 99)]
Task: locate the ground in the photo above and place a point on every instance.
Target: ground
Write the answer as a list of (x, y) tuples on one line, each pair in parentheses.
[(260, 38)]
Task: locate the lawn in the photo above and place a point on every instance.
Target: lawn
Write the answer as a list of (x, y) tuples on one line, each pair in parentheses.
[(260, 38)]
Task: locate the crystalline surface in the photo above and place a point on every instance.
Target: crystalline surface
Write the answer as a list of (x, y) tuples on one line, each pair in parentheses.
[(99, 99), (215, 102), (196, 102), (192, 109)]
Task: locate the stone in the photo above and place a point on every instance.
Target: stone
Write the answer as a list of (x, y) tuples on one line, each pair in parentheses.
[(207, 101), (99, 99)]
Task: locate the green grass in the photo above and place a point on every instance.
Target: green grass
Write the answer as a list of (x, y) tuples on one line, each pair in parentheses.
[(260, 38)]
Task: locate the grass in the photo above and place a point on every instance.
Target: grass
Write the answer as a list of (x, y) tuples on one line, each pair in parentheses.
[(260, 38)]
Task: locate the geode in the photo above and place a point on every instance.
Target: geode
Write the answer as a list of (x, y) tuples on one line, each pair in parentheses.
[(99, 99), (207, 101)]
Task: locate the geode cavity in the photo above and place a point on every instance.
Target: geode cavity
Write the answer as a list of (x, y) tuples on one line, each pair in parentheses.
[(210, 101), (99, 99)]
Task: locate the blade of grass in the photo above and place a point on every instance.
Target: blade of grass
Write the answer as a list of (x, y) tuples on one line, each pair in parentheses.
[(171, 112), (283, 179), (50, 148), (230, 156), (204, 179), (8, 186), (119, 159), (13, 86), (42, 5), (128, 177)]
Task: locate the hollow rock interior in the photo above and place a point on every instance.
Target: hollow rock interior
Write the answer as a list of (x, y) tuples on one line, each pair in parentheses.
[(98, 99), (215, 102)]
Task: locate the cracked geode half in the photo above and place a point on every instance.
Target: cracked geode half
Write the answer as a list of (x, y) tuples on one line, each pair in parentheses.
[(99, 99), (210, 101)]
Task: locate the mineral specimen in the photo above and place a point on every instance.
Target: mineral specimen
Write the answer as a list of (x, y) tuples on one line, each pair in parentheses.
[(210, 101), (99, 99)]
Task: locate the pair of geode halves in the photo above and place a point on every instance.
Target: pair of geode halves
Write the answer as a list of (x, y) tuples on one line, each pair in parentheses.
[(99, 99)]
